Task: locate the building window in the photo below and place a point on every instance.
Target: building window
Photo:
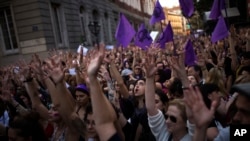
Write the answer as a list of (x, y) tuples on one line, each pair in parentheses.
[(7, 31), (57, 24), (83, 24), (95, 15), (106, 28), (114, 23)]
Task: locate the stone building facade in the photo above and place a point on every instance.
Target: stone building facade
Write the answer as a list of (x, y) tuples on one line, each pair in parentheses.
[(37, 26), (178, 22)]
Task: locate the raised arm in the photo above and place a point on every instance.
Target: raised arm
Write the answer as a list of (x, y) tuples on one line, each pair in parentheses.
[(7, 95), (202, 116), (117, 76), (61, 96), (103, 113), (150, 83), (232, 37), (31, 88)]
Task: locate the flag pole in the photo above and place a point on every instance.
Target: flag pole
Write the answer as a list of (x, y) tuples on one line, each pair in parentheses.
[(227, 20), (161, 27)]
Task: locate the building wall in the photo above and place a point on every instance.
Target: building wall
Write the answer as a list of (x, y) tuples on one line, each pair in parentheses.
[(178, 22), (33, 25), (36, 29)]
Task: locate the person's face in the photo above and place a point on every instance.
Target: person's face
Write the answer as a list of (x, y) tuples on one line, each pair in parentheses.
[(192, 80), (158, 103), (127, 65), (242, 116), (139, 89), (73, 83), (191, 71), (245, 61), (54, 115), (174, 121), (117, 87), (131, 88), (163, 57), (157, 77), (12, 135), (118, 54), (91, 131), (169, 82), (129, 56), (24, 99), (137, 70), (81, 98)]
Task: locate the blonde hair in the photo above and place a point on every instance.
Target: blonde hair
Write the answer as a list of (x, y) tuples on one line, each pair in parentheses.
[(216, 76), (179, 103)]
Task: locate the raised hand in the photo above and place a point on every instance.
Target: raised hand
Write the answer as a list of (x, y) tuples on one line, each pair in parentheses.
[(149, 64), (201, 61), (233, 31), (25, 70), (202, 116), (36, 65), (96, 62), (54, 69)]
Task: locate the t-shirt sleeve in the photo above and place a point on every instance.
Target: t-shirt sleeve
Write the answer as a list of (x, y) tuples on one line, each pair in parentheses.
[(191, 128), (224, 135), (158, 126)]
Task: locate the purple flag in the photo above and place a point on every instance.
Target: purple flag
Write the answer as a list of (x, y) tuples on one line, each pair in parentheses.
[(158, 13), (124, 31), (220, 31), (166, 36), (190, 56), (142, 38), (187, 7), (218, 5)]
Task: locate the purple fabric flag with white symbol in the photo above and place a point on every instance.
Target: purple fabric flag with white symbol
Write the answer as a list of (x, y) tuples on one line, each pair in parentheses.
[(218, 5), (124, 31), (158, 14), (187, 7), (166, 36), (142, 38), (220, 31), (190, 56)]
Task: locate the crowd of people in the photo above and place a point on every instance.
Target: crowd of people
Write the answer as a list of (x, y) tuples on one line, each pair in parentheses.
[(129, 94)]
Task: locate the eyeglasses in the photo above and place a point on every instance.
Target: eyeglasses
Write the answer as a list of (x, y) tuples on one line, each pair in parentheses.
[(172, 118)]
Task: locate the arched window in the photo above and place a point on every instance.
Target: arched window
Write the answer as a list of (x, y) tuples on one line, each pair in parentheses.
[(95, 15)]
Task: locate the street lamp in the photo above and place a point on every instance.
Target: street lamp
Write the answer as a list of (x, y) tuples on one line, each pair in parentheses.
[(94, 28)]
